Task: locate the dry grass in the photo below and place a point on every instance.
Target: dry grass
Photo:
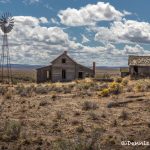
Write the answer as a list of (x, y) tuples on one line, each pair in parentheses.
[(73, 115)]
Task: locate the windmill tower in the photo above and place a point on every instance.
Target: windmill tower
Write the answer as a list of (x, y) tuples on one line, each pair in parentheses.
[(6, 25)]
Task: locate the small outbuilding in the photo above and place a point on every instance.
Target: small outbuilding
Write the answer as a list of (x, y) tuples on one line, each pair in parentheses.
[(139, 66), (63, 69)]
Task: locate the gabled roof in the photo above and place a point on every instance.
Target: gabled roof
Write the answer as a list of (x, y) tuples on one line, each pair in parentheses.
[(64, 53), (139, 61)]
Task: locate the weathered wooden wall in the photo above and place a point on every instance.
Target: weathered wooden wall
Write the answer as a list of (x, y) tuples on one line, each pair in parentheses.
[(70, 66), (143, 71), (42, 74), (85, 70), (58, 66)]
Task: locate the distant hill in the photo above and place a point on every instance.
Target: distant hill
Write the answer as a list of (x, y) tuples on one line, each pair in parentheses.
[(109, 67), (25, 66), (31, 67)]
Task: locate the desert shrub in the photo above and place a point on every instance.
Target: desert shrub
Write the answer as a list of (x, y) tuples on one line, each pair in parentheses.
[(8, 95), (41, 89), (147, 85), (88, 105), (124, 82), (124, 115), (78, 143), (114, 124), (75, 122), (11, 130), (148, 124), (67, 90), (113, 104), (139, 87), (118, 80), (53, 96), (14, 82), (103, 86), (59, 115), (77, 113), (20, 88), (27, 91), (43, 103), (103, 115), (94, 116), (111, 140), (104, 93), (3, 90), (56, 89), (142, 85), (129, 89), (115, 88), (80, 129)]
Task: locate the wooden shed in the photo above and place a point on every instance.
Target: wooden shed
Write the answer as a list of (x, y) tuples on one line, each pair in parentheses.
[(64, 69), (139, 66)]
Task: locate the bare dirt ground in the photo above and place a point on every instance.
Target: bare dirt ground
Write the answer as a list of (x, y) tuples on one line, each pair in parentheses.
[(74, 116)]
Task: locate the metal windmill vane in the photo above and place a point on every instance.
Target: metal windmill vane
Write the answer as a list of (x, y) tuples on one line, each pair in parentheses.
[(6, 25)]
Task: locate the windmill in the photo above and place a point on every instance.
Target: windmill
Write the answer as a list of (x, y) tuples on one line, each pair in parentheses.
[(6, 25)]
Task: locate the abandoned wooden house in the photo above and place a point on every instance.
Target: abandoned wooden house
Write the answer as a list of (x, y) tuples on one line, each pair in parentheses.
[(139, 66), (64, 69)]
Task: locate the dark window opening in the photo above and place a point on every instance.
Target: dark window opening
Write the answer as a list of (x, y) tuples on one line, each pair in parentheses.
[(136, 69), (80, 75), (63, 74), (63, 60)]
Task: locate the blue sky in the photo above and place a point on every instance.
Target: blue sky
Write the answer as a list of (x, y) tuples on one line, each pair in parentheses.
[(90, 30)]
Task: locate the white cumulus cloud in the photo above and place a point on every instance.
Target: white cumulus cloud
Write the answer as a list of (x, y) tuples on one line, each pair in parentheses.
[(127, 31), (90, 14)]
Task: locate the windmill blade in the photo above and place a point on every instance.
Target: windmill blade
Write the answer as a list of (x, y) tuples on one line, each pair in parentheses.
[(12, 19), (6, 22), (11, 25)]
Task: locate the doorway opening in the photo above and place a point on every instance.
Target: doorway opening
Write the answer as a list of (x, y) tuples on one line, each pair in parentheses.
[(80, 75), (136, 69), (63, 74)]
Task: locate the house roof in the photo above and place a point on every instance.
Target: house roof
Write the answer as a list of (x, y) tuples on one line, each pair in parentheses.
[(139, 61), (64, 53)]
